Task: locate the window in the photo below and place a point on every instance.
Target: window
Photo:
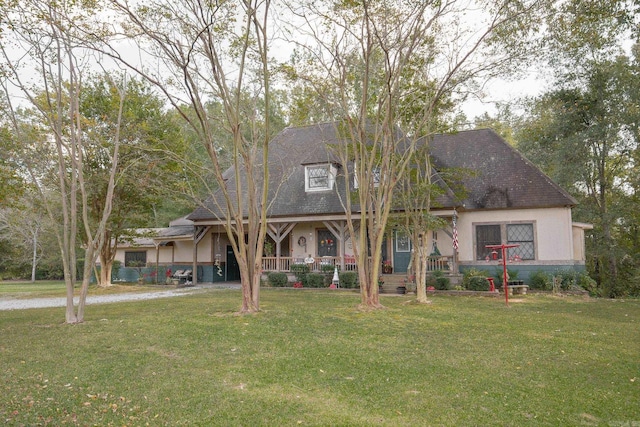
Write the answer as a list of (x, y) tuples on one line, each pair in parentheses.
[(403, 243), (522, 234), (487, 235), (319, 177), (375, 177), (135, 259), (327, 243), (491, 234)]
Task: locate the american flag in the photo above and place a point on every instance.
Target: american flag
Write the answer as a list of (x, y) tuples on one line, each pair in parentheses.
[(455, 231)]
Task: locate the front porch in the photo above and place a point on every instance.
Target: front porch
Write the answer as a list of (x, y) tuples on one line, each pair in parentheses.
[(321, 245), (347, 263)]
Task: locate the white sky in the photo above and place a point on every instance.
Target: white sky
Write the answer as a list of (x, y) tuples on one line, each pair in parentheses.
[(501, 92)]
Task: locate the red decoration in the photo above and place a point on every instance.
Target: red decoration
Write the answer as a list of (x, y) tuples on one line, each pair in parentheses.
[(505, 277)]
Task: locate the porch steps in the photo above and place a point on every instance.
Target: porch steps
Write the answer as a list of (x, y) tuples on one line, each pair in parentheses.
[(391, 282)]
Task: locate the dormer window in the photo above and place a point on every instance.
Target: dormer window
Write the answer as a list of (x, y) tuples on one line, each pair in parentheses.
[(375, 178), (319, 177)]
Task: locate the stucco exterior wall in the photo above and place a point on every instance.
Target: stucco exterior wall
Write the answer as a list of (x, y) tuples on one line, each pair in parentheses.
[(180, 253), (578, 244), (553, 236), (151, 253), (308, 231)]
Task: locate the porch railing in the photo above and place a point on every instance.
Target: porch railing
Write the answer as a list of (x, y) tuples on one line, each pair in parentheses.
[(439, 263), (319, 264)]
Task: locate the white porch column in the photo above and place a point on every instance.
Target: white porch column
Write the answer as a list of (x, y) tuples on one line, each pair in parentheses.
[(278, 232), (340, 230), (198, 234)]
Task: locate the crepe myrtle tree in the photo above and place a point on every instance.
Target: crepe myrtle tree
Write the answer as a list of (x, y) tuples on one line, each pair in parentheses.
[(46, 66), (216, 52)]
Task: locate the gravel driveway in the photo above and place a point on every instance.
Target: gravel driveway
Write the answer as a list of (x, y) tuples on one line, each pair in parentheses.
[(20, 304)]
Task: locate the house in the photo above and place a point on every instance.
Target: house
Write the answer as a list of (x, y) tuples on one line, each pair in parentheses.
[(507, 200), (157, 249)]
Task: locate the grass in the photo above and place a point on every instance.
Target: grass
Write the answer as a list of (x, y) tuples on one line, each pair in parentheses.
[(311, 358), (52, 288)]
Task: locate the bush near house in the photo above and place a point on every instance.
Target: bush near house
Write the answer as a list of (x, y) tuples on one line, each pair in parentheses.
[(571, 280), (300, 271), (348, 279), (277, 279), (475, 280), (439, 281), (540, 280), (328, 268), (499, 272), (315, 280)]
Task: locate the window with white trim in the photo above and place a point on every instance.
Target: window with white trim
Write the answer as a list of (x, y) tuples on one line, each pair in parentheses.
[(319, 177), (375, 177), (521, 234)]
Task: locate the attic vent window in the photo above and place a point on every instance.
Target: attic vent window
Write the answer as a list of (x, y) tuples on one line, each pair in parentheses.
[(375, 177), (319, 177)]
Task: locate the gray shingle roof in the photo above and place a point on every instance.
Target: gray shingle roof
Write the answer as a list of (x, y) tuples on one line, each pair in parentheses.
[(500, 178), (497, 176)]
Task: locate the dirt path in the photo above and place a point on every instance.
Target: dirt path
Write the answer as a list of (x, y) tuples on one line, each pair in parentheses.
[(21, 304)]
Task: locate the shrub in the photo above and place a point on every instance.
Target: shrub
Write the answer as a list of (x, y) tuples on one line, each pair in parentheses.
[(589, 285), (348, 279), (540, 280), (475, 280), (572, 280), (568, 279), (328, 268), (439, 281), (315, 280), (299, 268), (499, 272), (277, 279), (300, 271), (115, 268)]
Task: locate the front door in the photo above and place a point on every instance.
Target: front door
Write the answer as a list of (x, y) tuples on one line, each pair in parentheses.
[(233, 269), (401, 252)]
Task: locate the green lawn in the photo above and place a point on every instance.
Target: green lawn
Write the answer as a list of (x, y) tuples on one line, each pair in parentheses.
[(311, 358)]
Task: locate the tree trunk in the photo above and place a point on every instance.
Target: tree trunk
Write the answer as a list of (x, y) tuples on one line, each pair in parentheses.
[(421, 258), (107, 254), (105, 273), (369, 272), (34, 260)]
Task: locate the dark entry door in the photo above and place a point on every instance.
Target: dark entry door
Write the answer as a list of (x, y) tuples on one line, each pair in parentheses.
[(233, 269), (401, 252)]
